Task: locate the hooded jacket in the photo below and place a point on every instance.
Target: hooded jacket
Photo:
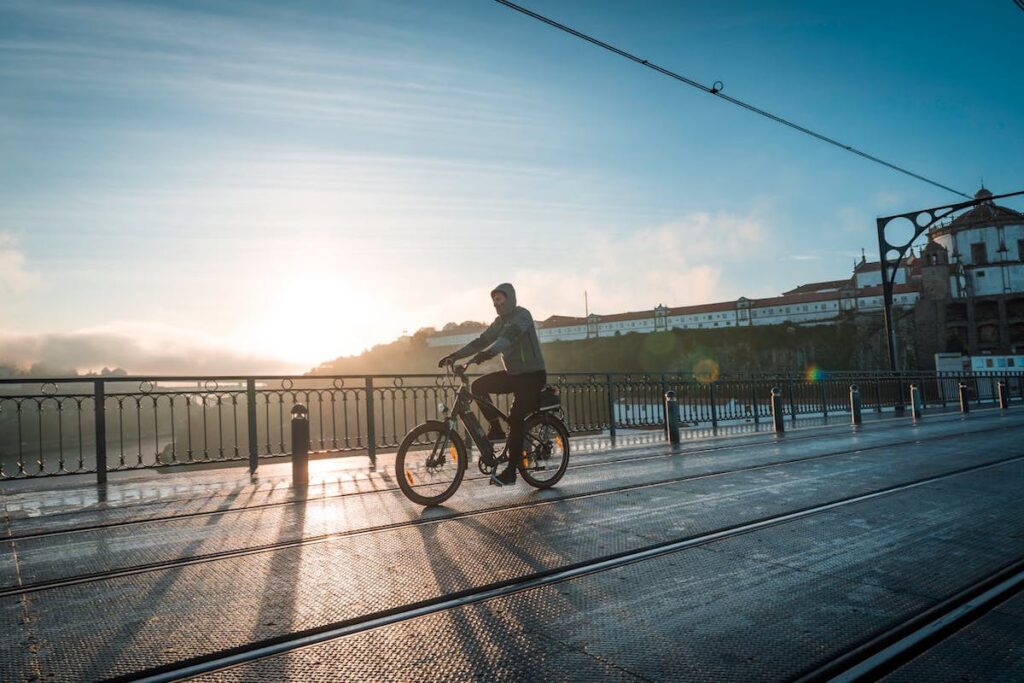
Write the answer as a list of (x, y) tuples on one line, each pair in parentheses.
[(512, 335)]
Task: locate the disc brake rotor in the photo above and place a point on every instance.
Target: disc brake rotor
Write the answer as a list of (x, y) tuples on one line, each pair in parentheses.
[(437, 460)]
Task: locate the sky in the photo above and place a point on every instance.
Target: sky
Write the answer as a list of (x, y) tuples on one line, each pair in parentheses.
[(193, 187)]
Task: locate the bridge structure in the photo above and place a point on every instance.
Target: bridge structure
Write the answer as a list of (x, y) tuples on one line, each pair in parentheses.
[(892, 549)]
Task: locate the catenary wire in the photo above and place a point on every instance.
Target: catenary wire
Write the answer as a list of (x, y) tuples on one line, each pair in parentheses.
[(717, 91)]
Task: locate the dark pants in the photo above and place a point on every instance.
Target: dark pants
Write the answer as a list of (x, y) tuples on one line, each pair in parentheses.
[(526, 388)]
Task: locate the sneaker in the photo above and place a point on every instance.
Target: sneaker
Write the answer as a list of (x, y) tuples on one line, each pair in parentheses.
[(506, 478)]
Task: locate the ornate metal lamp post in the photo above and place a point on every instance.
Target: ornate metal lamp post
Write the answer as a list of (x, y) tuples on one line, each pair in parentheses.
[(891, 253)]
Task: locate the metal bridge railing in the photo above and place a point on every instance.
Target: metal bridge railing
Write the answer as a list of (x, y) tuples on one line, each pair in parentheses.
[(88, 425)]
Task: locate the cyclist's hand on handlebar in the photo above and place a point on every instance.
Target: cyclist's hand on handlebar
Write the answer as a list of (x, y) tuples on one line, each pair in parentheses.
[(446, 361)]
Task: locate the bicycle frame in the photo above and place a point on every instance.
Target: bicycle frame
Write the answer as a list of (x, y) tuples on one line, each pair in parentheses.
[(464, 401)]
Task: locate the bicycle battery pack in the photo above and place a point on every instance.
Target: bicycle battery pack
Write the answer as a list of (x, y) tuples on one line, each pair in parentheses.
[(476, 431)]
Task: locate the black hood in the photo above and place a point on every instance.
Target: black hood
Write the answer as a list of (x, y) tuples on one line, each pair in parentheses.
[(510, 298)]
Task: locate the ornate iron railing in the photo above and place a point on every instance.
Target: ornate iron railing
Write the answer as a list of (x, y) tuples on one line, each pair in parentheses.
[(76, 425)]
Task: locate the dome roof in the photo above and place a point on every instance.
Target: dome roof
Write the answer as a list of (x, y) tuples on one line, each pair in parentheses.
[(983, 215)]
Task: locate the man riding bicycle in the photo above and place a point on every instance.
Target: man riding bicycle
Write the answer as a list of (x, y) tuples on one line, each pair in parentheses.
[(513, 336)]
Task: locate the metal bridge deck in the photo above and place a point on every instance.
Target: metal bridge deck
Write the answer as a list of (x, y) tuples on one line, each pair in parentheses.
[(990, 649), (890, 520)]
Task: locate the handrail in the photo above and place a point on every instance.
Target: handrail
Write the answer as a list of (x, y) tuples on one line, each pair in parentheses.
[(831, 374), (82, 425)]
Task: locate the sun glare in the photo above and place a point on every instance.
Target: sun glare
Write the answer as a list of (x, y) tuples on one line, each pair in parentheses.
[(310, 318)]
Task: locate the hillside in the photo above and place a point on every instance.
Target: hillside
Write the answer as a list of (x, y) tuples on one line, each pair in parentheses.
[(9, 371), (853, 344)]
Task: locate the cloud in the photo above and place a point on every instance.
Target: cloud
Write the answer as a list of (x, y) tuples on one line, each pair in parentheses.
[(677, 263), (266, 63), (141, 349), (857, 220), (889, 199), (14, 278)]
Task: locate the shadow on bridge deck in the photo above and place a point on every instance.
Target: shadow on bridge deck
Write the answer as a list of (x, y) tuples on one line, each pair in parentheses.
[(748, 556)]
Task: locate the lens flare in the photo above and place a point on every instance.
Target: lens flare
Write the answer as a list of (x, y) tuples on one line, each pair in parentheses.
[(706, 370), (813, 373)]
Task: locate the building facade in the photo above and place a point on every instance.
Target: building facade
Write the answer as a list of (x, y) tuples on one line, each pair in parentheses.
[(813, 304), (966, 287), (980, 253)]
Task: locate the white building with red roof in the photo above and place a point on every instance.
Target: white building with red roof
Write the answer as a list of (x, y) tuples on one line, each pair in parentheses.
[(818, 303)]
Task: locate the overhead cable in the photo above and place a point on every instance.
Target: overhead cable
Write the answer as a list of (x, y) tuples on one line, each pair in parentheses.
[(716, 90)]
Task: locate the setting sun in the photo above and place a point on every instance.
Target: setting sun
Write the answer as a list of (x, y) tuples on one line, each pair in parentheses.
[(311, 317)]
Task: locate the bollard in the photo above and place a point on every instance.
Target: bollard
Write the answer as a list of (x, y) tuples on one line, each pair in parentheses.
[(1004, 396), (965, 404), (672, 418), (300, 445), (778, 418), (855, 415), (916, 407)]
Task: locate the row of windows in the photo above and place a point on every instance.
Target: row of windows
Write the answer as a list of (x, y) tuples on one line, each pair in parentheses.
[(1001, 362), (790, 309), (698, 321), (979, 252)]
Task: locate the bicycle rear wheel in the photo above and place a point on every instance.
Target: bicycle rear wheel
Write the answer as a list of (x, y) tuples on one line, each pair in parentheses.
[(545, 450), (430, 463)]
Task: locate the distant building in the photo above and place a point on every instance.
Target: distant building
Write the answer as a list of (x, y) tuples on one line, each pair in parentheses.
[(980, 256), (811, 304), (966, 286)]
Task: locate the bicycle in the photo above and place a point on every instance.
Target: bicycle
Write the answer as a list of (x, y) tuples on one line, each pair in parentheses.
[(432, 458)]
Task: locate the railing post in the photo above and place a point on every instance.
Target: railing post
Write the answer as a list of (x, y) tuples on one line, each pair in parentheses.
[(855, 414), (100, 409), (792, 400), (371, 426), (899, 406), (300, 445), (778, 416), (753, 399), (878, 395), (916, 407), (250, 418), (671, 418), (965, 401), (611, 404), (664, 390), (714, 407), (1004, 397), (824, 399)]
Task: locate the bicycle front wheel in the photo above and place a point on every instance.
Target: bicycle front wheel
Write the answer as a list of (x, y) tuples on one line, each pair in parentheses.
[(430, 463), (545, 450)]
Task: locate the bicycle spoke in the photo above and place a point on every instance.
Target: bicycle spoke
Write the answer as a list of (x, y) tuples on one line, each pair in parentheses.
[(546, 455), (432, 465)]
